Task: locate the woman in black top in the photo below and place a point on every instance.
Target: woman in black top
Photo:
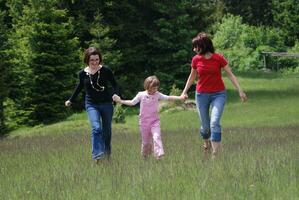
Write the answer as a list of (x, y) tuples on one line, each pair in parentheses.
[(98, 101)]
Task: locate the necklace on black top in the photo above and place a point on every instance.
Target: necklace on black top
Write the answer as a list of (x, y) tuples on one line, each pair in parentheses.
[(102, 88)]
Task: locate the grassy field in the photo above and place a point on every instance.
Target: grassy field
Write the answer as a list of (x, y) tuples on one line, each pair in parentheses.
[(259, 158)]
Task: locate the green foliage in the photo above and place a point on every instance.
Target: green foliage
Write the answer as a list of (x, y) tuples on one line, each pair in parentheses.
[(171, 105), (45, 59), (251, 11), (155, 38), (137, 39), (242, 44), (21, 75), (101, 39), (292, 63), (171, 46), (54, 61), (176, 92), (14, 117), (3, 69), (285, 13), (119, 114)]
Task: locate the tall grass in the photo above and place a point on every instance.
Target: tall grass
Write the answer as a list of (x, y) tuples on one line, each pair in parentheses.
[(255, 164), (259, 158)]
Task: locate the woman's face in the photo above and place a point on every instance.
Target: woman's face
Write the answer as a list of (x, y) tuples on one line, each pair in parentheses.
[(196, 50), (94, 61)]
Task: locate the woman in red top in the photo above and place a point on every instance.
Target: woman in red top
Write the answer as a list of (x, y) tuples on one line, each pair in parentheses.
[(210, 90)]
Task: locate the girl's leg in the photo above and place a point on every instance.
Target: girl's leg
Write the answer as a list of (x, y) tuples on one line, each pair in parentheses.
[(146, 140), (157, 140), (203, 106), (217, 107), (107, 113), (97, 141)]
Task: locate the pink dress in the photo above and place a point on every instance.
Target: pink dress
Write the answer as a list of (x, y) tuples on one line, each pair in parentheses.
[(149, 122)]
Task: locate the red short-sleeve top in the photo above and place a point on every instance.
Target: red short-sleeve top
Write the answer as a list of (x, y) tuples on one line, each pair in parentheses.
[(209, 72)]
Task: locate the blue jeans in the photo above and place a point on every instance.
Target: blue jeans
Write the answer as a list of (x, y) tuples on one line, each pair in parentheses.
[(100, 117), (210, 107)]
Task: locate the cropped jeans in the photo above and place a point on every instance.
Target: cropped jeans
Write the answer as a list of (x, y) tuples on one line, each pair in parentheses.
[(100, 117), (210, 107)]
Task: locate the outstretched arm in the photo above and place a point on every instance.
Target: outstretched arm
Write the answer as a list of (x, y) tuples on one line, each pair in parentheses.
[(76, 91), (189, 82), (235, 82), (176, 98)]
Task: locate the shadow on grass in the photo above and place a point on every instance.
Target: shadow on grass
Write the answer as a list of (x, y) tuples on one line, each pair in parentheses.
[(264, 75), (233, 95)]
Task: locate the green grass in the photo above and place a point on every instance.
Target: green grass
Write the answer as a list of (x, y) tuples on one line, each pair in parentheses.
[(259, 158), (254, 164)]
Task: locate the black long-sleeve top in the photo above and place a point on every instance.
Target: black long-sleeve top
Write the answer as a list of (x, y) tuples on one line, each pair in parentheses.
[(93, 92)]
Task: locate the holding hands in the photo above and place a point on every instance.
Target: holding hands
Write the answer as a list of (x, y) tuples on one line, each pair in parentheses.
[(184, 96), (116, 98)]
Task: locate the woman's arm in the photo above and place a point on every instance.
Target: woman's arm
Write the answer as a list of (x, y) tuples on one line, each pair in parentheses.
[(235, 82), (189, 82), (76, 91)]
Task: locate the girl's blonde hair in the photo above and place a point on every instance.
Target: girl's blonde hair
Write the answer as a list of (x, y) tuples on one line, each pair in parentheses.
[(150, 82)]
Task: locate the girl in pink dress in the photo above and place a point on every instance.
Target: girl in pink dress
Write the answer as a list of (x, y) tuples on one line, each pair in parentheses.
[(149, 121)]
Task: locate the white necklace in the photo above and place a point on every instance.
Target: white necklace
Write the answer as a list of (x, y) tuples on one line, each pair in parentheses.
[(102, 88)]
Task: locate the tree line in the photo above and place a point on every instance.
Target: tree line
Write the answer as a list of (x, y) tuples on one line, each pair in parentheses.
[(41, 44)]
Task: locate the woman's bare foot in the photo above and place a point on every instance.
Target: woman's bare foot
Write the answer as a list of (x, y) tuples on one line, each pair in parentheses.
[(206, 145)]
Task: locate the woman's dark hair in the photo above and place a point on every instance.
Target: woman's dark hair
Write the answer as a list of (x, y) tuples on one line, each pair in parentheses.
[(203, 43), (91, 51)]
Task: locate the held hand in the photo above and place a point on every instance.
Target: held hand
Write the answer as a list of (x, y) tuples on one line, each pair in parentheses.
[(68, 103), (116, 98), (184, 96), (242, 96)]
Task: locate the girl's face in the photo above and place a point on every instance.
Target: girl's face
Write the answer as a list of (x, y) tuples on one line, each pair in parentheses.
[(152, 90), (94, 61)]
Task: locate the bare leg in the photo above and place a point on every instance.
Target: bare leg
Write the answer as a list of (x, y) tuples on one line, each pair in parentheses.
[(215, 148), (207, 145)]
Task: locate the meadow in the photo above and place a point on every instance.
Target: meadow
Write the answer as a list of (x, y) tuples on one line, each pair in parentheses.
[(259, 158)]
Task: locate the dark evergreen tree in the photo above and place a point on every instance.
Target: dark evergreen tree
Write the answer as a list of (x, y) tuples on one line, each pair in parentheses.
[(101, 39), (155, 38), (83, 12), (45, 60), (20, 82), (3, 68), (130, 22), (170, 50), (258, 12), (54, 60)]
